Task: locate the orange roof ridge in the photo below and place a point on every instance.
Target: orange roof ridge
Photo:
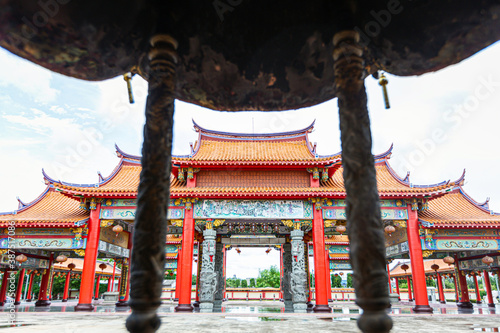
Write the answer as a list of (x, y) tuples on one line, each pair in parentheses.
[(50, 209), (233, 135), (456, 209)]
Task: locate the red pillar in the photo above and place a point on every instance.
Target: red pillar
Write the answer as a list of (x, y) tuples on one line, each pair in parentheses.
[(19, 290), (463, 292), (389, 279), (456, 287), (186, 263), (417, 264), (224, 251), (44, 285), (111, 281), (442, 299), (281, 273), (51, 285), (410, 298), (178, 277), (5, 282), (66, 287), (328, 276), (320, 263), (88, 273), (478, 294), (30, 286), (124, 302), (487, 286), (96, 289), (397, 288)]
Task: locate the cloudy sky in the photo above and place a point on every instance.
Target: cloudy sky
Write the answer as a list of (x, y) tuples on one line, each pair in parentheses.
[(440, 123)]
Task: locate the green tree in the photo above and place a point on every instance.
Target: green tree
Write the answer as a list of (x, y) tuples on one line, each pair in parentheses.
[(336, 281), (252, 283), (269, 278), (349, 281), (244, 283)]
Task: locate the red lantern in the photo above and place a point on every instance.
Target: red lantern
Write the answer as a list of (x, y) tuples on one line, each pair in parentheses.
[(341, 273), (268, 250), (405, 267), (238, 250), (61, 258), (487, 260), (117, 229), (21, 258), (435, 267), (103, 266), (340, 229), (71, 266), (449, 260), (389, 230)]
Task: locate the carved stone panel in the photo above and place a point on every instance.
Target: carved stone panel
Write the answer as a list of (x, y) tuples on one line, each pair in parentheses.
[(298, 276), (287, 269), (219, 260), (208, 277)]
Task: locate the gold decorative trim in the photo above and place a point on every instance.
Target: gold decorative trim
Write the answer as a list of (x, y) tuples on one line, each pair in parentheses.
[(106, 223), (427, 253), (80, 252), (177, 223), (400, 223), (330, 223), (218, 223)]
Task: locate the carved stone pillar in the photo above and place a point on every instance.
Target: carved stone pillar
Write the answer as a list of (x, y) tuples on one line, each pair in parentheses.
[(219, 271), (298, 277), (364, 224), (287, 270), (208, 277), (148, 256)]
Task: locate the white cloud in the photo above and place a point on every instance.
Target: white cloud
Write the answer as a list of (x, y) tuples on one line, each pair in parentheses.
[(30, 79)]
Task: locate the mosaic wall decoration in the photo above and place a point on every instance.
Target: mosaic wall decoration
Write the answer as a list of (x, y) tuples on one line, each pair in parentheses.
[(258, 209), (387, 214), (171, 264), (340, 265), (383, 203), (113, 250), (397, 237), (467, 233), (463, 244), (37, 243), (129, 213), (41, 231), (338, 249)]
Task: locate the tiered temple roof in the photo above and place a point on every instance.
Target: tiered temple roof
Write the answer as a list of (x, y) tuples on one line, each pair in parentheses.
[(457, 210), (50, 209), (265, 152)]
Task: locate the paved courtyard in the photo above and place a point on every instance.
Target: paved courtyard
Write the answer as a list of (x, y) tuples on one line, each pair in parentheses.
[(249, 317)]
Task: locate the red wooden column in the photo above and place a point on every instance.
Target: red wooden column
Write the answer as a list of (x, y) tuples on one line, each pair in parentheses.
[(186, 263), (281, 273), (30, 286), (51, 285), (397, 288), (44, 285), (5, 282), (124, 302), (456, 286), (178, 277), (66, 287), (463, 291), (389, 279), (224, 251), (442, 299), (123, 284), (320, 262), (417, 264), (478, 294), (19, 290), (96, 289), (410, 298), (111, 281), (88, 273), (487, 286), (328, 276)]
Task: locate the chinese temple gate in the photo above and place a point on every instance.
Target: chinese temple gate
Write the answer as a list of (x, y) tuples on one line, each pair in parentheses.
[(270, 190)]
